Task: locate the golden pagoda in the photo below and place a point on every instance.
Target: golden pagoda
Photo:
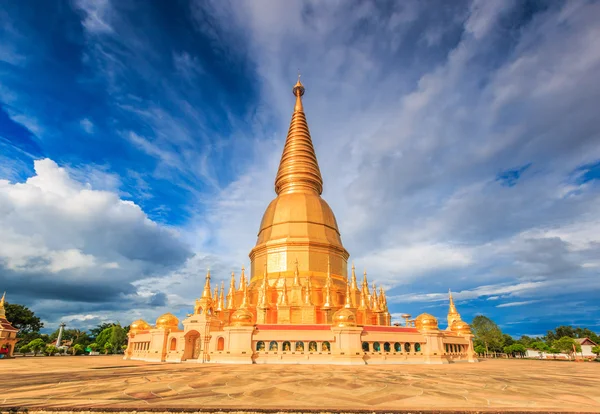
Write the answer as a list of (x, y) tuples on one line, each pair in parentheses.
[(299, 305), (8, 333)]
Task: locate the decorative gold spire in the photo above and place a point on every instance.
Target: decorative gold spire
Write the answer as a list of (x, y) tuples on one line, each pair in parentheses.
[(216, 295), (206, 293), (382, 299), (348, 303), (221, 305), (244, 304), (298, 168), (308, 295), (242, 280), (453, 314), (365, 284), (231, 294), (283, 299), (354, 285), (363, 300), (375, 300), (296, 274), (264, 300), (2, 310)]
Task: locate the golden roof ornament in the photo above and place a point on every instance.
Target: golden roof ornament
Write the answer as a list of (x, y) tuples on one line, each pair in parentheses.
[(2, 310), (375, 299), (354, 285), (283, 299), (298, 169), (231, 294), (453, 315), (363, 301), (244, 304), (308, 295), (242, 280), (222, 297), (348, 302), (216, 295), (206, 292)]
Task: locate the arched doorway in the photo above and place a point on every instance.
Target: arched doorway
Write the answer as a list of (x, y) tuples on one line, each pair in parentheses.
[(192, 345)]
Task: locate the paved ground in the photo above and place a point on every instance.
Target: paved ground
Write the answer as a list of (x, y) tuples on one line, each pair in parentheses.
[(109, 382)]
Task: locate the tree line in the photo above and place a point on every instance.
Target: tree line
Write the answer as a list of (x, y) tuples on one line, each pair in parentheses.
[(109, 338), (490, 340)]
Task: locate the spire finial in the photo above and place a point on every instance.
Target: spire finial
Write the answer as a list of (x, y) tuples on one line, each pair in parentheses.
[(298, 169), (242, 279), (2, 310), (231, 294), (348, 302), (206, 293)]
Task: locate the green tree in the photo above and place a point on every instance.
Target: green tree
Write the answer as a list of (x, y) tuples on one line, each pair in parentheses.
[(518, 349), (108, 348), (104, 337), (94, 346), (36, 345), (24, 319), (540, 346), (25, 349), (507, 340), (94, 332), (51, 350), (596, 350), (77, 349), (118, 338), (487, 332), (479, 349), (566, 345)]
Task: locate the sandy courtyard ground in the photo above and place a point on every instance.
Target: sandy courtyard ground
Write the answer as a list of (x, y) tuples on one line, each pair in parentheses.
[(109, 382)]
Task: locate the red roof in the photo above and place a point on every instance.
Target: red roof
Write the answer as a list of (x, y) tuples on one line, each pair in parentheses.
[(5, 325)]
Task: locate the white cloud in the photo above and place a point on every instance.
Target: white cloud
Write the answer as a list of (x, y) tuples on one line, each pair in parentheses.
[(87, 125), (511, 304)]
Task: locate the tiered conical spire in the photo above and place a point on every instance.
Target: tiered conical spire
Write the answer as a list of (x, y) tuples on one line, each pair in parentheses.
[(206, 293), (231, 294), (298, 168), (453, 314), (221, 305), (2, 310), (283, 299), (242, 280)]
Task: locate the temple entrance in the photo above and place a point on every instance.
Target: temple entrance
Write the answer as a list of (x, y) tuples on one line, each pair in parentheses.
[(192, 345)]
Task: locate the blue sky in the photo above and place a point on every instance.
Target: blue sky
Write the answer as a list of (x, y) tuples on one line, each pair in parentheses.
[(458, 142)]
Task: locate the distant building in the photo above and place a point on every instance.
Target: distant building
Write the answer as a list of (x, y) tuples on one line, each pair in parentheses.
[(8, 333), (586, 347)]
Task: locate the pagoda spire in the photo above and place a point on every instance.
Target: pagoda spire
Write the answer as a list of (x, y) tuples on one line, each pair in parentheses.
[(242, 280), (2, 310), (231, 294), (244, 304), (206, 293), (453, 314), (375, 299), (298, 168), (221, 305), (308, 296), (283, 299), (327, 301), (354, 285), (348, 302)]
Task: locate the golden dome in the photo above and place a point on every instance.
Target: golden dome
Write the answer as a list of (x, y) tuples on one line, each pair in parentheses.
[(242, 317), (426, 322), (461, 328), (299, 216), (139, 325), (343, 318), (168, 320)]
